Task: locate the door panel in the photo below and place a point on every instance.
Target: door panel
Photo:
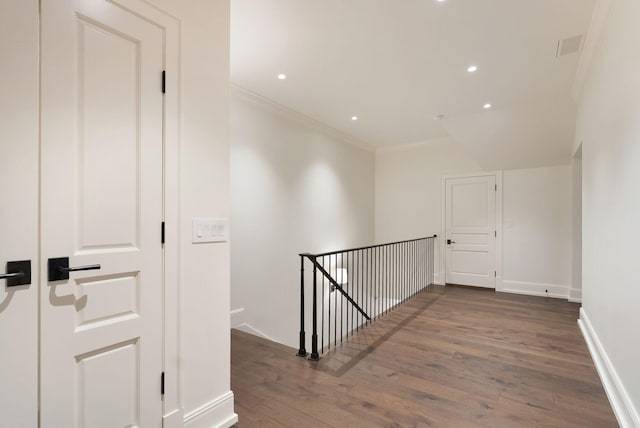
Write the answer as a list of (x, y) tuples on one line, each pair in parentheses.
[(101, 196), (470, 225), (105, 56)]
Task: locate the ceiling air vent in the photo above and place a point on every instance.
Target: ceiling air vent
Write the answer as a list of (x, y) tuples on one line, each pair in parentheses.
[(569, 46)]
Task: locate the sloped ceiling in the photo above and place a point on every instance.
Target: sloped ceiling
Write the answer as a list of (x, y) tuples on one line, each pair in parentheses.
[(397, 64)]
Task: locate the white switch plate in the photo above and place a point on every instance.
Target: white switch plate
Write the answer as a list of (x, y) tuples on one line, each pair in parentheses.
[(207, 229)]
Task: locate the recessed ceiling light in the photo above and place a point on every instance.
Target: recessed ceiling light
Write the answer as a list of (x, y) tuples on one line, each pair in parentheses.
[(440, 1), (282, 76), (354, 118), (487, 106), (472, 68)]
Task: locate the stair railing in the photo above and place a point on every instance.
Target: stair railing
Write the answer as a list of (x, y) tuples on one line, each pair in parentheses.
[(362, 284)]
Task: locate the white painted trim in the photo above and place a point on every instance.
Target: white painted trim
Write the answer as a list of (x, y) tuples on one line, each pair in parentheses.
[(410, 146), (623, 408), (438, 279), (174, 419), (171, 28), (278, 108), (575, 295), (216, 413), (534, 289), (251, 330), (589, 46), (443, 228), (237, 311), (237, 317)]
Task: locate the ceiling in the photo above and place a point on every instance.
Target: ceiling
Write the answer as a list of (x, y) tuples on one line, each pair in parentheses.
[(397, 64)]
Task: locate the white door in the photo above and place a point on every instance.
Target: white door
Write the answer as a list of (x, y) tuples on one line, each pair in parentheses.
[(101, 192), (471, 231)]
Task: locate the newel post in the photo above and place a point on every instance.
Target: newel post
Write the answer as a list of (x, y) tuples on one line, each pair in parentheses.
[(302, 351)]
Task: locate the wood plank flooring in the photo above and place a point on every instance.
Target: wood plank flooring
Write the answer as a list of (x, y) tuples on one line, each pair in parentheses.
[(450, 357)]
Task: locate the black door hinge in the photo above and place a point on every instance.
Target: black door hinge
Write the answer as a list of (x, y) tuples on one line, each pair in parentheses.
[(496, 186), (162, 384), (162, 233), (164, 81)]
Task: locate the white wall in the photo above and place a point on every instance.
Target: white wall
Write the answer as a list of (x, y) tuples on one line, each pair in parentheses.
[(609, 129), (536, 237), (536, 212), (408, 187), (19, 210), (294, 188)]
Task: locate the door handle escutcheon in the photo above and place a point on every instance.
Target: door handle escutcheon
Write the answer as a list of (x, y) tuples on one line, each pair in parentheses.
[(59, 268), (18, 273)]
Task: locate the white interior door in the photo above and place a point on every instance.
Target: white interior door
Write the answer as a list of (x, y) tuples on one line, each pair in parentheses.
[(101, 192), (471, 231)]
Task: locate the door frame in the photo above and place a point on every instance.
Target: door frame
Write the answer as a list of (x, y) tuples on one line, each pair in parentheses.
[(442, 258)]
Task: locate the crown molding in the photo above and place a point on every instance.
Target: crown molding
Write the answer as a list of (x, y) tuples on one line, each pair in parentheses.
[(291, 114), (596, 27), (412, 146)]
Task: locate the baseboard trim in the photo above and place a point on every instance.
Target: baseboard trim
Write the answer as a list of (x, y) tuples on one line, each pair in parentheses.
[(621, 404), (533, 289), (575, 295), (173, 419), (237, 317), (251, 330), (216, 413), (237, 311)]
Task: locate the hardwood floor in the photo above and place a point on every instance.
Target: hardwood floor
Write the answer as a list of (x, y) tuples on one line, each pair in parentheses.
[(450, 357)]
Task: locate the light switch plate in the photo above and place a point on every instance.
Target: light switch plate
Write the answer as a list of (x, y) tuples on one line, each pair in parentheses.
[(207, 229)]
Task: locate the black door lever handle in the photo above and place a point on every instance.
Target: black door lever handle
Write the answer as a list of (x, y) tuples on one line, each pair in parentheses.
[(59, 268), (79, 268), (449, 242)]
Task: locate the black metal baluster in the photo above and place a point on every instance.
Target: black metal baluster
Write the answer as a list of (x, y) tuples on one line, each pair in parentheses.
[(402, 272), (314, 336), (396, 251), (361, 275), (328, 309), (335, 312), (386, 278), (392, 265), (413, 268), (351, 283), (369, 275), (341, 304), (374, 281), (423, 260), (302, 350), (357, 286), (406, 270), (398, 275), (322, 316)]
